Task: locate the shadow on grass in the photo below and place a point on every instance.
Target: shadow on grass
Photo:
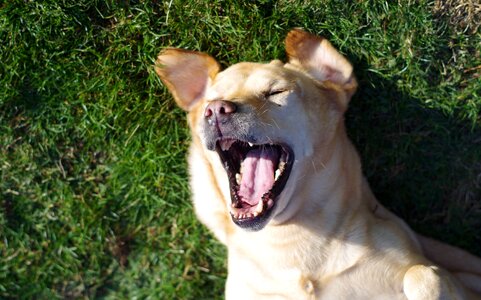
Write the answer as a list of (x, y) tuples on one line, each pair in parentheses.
[(423, 165)]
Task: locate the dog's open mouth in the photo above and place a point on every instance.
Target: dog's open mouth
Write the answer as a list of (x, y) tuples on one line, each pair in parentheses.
[(257, 175)]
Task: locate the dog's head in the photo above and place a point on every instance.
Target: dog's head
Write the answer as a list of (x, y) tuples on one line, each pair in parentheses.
[(262, 121)]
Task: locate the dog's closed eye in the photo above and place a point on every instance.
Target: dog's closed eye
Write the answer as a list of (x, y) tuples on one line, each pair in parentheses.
[(271, 93)]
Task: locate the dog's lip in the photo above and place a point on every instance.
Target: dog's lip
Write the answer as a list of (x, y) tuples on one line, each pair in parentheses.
[(244, 214)]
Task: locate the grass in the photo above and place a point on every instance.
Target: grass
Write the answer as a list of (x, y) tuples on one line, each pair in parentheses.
[(94, 200)]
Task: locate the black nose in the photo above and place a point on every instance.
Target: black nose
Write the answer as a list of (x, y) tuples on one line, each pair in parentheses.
[(219, 110)]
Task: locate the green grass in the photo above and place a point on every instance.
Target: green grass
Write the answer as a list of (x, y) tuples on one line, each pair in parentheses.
[(94, 199)]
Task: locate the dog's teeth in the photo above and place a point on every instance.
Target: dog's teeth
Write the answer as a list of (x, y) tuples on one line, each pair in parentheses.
[(250, 144), (278, 173), (282, 165), (255, 214), (238, 178), (259, 207), (225, 145)]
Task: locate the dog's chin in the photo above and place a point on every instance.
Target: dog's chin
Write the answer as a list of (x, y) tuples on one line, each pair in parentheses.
[(255, 223), (257, 175)]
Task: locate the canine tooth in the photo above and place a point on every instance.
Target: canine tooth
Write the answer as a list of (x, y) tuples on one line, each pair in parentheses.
[(251, 144), (238, 178), (260, 207), (226, 144), (278, 173), (255, 214)]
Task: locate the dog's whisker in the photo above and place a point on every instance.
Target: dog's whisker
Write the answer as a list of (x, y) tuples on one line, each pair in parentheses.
[(275, 123), (314, 165)]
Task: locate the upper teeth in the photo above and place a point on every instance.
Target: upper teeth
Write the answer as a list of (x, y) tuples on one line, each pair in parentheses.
[(250, 144), (226, 144)]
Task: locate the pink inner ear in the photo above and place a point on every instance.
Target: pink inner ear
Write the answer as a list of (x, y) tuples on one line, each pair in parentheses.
[(334, 75), (326, 73), (186, 74), (331, 74), (190, 84), (329, 64), (318, 57)]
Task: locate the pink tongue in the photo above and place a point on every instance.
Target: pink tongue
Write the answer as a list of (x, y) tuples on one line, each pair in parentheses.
[(257, 174)]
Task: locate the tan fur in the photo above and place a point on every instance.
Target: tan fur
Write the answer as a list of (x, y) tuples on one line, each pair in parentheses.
[(328, 238)]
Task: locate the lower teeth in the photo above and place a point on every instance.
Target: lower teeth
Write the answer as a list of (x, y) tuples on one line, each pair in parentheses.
[(278, 173), (260, 207)]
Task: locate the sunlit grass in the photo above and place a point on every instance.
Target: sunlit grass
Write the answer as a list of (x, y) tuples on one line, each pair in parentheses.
[(94, 190)]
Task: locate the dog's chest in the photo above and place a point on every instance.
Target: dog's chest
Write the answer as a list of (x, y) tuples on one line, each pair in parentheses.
[(261, 272), (250, 280), (247, 280), (260, 266)]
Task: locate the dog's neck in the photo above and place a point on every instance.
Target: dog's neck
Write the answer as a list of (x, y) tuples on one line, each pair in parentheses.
[(335, 184), (341, 193)]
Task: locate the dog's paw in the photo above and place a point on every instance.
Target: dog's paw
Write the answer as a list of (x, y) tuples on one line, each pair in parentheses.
[(429, 283)]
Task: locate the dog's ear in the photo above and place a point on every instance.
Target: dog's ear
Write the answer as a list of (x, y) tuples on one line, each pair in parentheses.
[(320, 59), (186, 74)]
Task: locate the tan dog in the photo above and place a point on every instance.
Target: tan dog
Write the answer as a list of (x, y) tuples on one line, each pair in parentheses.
[(275, 177)]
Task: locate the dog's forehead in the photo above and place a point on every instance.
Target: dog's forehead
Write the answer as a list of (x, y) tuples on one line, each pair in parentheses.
[(248, 78)]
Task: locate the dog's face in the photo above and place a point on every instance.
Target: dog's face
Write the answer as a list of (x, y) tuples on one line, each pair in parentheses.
[(262, 121)]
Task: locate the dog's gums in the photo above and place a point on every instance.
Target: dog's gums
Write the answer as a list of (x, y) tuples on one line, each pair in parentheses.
[(257, 175)]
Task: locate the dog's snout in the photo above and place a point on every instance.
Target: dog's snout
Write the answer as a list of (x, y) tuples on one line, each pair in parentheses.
[(219, 120), (219, 109)]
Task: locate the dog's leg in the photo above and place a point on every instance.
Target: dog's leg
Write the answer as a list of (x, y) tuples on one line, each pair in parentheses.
[(429, 283), (473, 282), (450, 257), (464, 265)]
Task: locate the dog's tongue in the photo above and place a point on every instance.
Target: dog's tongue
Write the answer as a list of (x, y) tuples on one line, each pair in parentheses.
[(257, 174)]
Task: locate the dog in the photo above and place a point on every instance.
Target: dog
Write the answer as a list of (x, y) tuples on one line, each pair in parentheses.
[(276, 179)]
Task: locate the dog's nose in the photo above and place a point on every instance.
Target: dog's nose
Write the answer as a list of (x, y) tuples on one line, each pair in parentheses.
[(219, 109)]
